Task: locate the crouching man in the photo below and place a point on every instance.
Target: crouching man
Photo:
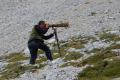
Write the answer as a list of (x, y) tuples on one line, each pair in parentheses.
[(36, 41)]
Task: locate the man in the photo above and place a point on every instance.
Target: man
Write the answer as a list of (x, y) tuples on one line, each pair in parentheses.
[(36, 41)]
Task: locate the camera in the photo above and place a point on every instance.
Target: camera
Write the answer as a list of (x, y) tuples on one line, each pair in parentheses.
[(65, 24)]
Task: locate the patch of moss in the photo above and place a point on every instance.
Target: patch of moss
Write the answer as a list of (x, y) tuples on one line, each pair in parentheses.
[(75, 43), (40, 51), (56, 55), (63, 52), (65, 45), (112, 70), (73, 56), (12, 71), (113, 46), (62, 41), (103, 71), (91, 72), (74, 64), (100, 56), (2, 57), (30, 67), (92, 38), (40, 60), (14, 57), (109, 36), (95, 50)]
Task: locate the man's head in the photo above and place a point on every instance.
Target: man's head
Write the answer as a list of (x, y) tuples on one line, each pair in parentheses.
[(43, 24)]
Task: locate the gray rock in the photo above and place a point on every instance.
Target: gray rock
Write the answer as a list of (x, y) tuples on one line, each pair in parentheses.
[(17, 17)]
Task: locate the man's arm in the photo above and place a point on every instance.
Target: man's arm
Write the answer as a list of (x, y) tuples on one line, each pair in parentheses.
[(42, 32), (48, 36)]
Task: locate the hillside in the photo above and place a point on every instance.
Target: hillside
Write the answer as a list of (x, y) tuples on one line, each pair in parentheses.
[(85, 17), (90, 47), (83, 58)]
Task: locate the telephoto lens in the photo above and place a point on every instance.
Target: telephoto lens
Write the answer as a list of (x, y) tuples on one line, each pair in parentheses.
[(65, 24)]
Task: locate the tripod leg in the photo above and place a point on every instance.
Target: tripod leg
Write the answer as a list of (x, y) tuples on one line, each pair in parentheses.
[(56, 37)]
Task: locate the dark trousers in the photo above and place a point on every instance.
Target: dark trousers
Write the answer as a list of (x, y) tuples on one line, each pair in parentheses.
[(34, 45)]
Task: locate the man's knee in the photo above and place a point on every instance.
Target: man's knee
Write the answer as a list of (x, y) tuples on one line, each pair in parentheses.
[(33, 53), (33, 58), (47, 50)]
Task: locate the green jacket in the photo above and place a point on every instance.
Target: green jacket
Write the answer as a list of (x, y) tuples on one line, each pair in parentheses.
[(35, 35), (38, 33)]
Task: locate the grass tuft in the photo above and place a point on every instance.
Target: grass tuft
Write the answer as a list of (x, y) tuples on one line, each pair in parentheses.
[(109, 36), (73, 56), (15, 57)]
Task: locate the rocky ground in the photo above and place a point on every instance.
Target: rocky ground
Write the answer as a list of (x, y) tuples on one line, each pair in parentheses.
[(90, 47), (85, 17), (83, 58)]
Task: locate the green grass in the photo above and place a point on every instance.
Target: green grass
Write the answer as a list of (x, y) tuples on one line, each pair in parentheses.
[(109, 36), (12, 71), (40, 60), (112, 70), (95, 50), (113, 46), (75, 43), (73, 56), (56, 55), (14, 68), (40, 52), (14, 57), (74, 64), (98, 57), (63, 52), (101, 71)]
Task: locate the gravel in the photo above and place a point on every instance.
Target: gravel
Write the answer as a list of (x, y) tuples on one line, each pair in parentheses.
[(53, 72), (17, 17)]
